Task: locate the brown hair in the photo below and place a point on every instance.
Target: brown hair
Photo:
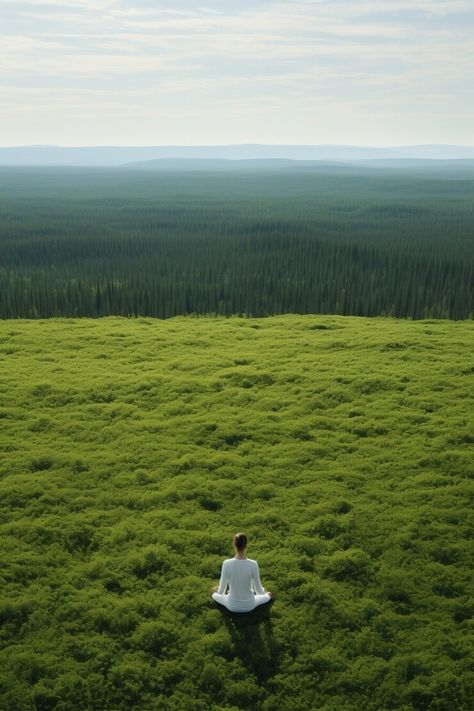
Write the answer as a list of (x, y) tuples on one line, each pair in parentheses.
[(240, 541)]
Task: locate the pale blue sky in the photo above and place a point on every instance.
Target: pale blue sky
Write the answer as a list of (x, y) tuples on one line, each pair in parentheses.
[(146, 72)]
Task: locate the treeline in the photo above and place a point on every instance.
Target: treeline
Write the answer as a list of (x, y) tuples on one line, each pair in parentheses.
[(193, 246), (259, 277)]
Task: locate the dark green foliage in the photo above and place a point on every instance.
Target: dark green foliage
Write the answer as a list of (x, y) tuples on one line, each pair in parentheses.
[(41, 463), (77, 242), (124, 477)]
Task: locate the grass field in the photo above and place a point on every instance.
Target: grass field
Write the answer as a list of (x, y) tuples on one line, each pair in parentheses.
[(132, 450)]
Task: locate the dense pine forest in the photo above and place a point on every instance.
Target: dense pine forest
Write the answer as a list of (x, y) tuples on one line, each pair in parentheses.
[(335, 240)]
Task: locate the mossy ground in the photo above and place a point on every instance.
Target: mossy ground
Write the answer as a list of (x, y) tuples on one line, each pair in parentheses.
[(132, 450)]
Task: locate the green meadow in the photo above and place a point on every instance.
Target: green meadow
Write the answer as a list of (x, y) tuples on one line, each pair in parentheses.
[(133, 449)]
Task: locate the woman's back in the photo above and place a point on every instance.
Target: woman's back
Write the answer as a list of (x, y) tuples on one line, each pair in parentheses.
[(243, 578)]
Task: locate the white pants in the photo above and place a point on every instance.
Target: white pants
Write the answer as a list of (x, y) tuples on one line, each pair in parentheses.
[(241, 605)]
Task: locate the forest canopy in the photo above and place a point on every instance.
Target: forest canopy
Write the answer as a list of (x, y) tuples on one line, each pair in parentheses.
[(335, 240)]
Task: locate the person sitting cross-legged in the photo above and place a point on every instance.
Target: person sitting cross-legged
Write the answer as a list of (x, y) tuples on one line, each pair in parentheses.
[(240, 575)]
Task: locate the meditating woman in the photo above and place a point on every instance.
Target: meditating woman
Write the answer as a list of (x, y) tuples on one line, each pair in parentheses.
[(241, 576)]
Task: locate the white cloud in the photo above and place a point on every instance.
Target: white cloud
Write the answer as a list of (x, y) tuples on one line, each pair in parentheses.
[(257, 54)]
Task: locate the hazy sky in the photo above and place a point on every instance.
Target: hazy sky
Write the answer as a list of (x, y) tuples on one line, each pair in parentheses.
[(151, 72)]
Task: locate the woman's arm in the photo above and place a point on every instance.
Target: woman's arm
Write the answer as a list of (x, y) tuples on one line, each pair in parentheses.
[(256, 580), (223, 580)]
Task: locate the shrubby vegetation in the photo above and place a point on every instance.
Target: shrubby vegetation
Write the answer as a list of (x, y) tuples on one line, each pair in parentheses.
[(361, 242), (131, 451)]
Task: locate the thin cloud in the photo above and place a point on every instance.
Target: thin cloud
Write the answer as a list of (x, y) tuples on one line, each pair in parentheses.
[(257, 54)]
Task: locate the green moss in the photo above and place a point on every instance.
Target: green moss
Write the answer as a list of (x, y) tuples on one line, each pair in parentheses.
[(341, 445)]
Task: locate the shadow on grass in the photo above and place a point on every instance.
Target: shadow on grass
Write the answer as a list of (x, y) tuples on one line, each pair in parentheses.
[(252, 637)]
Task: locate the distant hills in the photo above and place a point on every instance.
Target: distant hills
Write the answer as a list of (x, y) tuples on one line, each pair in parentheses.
[(253, 156), (270, 165)]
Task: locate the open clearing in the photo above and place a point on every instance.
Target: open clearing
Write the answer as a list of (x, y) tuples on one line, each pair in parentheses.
[(132, 450)]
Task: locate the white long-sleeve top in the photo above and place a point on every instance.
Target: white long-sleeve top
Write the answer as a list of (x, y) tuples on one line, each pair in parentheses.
[(243, 578)]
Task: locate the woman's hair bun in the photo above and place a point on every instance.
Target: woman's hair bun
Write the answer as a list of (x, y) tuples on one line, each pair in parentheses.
[(240, 541)]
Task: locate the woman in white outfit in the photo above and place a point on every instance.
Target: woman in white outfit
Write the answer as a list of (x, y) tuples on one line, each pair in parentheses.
[(241, 576)]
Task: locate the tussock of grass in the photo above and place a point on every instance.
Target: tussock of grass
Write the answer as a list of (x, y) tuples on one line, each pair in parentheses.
[(131, 451)]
